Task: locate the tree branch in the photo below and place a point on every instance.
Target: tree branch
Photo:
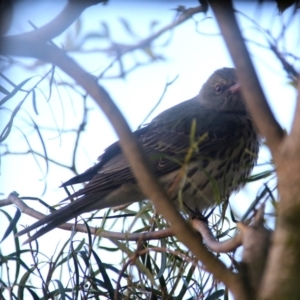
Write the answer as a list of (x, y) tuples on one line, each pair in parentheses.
[(251, 88), (212, 243), (60, 23), (153, 235), (136, 158), (295, 132)]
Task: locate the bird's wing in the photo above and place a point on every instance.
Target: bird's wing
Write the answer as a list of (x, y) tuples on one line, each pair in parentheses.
[(166, 141)]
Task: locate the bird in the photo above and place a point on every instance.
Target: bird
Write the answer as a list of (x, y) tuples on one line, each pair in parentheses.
[(201, 150)]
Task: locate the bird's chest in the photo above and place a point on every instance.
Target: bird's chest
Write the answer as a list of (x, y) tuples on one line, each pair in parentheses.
[(212, 178)]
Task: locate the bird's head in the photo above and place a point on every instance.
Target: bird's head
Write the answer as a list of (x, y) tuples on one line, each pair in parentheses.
[(222, 91)]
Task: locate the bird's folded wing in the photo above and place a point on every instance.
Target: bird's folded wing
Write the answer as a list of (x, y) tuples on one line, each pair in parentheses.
[(166, 141)]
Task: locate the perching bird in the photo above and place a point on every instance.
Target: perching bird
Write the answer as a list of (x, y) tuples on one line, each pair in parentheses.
[(201, 150)]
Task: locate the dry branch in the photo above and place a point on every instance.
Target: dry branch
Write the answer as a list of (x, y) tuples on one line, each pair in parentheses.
[(154, 235), (281, 274), (251, 88)]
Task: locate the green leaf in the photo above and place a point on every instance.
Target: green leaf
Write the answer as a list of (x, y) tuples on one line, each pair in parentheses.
[(14, 91), (22, 283), (34, 102), (61, 289), (12, 225), (215, 295), (106, 279)]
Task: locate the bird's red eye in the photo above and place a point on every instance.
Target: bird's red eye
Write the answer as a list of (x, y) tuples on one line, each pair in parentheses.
[(218, 88)]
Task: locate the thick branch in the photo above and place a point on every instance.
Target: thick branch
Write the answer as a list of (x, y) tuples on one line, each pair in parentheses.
[(282, 273), (138, 161), (143, 174), (135, 156), (60, 23), (251, 89), (295, 132), (256, 242)]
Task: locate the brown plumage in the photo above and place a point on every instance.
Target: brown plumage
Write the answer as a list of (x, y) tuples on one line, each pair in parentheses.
[(201, 150)]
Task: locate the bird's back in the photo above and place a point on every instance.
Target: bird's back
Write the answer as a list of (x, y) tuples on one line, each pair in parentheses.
[(200, 155)]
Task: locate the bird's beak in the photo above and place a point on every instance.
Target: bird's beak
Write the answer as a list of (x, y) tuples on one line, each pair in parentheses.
[(235, 88)]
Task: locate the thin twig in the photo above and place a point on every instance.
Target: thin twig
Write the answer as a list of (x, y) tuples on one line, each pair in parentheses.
[(60, 23), (153, 235), (212, 243), (251, 88)]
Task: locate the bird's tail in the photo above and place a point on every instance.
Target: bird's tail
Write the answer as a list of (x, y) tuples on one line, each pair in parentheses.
[(84, 177), (84, 204)]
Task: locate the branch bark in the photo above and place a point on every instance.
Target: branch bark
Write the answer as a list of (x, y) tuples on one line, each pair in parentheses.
[(60, 23), (254, 97), (281, 275), (136, 158), (144, 236), (295, 132), (211, 242), (281, 280)]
